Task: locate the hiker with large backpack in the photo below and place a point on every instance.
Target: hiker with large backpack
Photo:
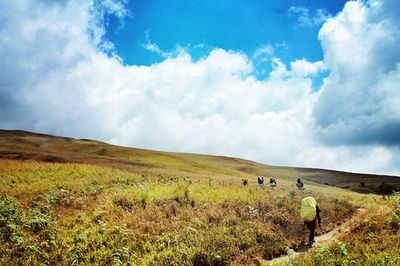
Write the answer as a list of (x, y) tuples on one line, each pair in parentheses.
[(309, 213)]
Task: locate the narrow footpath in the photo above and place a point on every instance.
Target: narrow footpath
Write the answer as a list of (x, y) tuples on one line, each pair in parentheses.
[(320, 241)]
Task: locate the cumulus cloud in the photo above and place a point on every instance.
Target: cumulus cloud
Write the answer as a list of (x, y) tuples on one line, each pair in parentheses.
[(359, 101), (303, 68), (73, 88), (57, 77)]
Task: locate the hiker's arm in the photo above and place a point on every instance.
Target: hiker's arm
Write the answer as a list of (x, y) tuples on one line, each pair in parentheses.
[(318, 216)]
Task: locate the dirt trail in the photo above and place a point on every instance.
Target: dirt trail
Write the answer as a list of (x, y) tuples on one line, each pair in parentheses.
[(322, 240)]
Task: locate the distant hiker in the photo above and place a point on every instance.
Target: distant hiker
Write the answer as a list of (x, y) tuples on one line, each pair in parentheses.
[(309, 213), (245, 181), (299, 185), (272, 182), (260, 181)]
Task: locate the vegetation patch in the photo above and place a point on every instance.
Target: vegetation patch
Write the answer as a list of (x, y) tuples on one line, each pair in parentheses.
[(372, 239), (81, 214)]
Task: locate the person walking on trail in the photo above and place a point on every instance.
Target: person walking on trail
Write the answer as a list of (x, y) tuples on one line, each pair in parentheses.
[(299, 184), (309, 213), (272, 182), (260, 181)]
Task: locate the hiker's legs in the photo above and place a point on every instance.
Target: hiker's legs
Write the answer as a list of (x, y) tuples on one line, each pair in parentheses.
[(311, 226)]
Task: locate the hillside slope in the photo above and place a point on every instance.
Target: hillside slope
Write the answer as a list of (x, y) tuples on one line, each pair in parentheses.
[(66, 201), (80, 214), (23, 145)]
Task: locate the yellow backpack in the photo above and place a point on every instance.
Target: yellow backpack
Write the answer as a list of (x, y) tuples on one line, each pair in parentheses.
[(308, 209)]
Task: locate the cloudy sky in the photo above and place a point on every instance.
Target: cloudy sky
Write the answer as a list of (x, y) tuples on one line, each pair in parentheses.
[(312, 83)]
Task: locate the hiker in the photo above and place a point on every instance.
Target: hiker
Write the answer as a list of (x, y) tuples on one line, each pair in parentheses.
[(272, 182), (260, 180), (309, 213), (245, 181), (299, 184)]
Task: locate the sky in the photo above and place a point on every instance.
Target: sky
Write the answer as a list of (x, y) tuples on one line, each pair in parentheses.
[(298, 83)]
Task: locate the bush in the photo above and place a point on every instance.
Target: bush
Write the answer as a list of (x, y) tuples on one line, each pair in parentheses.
[(37, 221), (11, 218)]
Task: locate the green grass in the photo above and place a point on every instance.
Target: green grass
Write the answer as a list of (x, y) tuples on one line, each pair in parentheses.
[(67, 214), (31, 178), (24, 145), (104, 204)]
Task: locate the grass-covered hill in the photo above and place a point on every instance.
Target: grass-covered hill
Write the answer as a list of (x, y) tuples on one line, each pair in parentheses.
[(69, 214), (23, 145), (81, 202)]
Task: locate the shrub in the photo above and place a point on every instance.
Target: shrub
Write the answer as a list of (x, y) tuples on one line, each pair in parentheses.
[(11, 218), (37, 221)]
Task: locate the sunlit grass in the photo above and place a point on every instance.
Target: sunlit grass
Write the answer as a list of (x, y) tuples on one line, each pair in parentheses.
[(83, 214), (36, 178), (373, 238)]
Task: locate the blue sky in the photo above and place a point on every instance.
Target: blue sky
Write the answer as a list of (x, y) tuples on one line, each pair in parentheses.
[(199, 26), (298, 83)]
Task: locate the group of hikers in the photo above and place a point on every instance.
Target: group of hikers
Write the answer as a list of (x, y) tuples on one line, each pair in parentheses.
[(272, 182), (309, 212)]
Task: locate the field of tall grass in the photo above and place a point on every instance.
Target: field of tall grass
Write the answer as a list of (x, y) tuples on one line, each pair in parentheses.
[(70, 214), (373, 238)]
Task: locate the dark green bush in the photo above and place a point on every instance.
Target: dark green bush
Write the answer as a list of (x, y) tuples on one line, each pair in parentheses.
[(11, 218)]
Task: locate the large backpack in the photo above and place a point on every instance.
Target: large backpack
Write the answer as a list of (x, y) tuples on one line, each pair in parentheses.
[(308, 209)]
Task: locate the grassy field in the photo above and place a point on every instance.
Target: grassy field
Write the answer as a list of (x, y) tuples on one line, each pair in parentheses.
[(55, 213), (81, 202), (22, 145)]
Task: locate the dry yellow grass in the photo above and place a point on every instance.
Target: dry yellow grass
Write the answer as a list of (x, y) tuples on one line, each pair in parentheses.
[(372, 238), (84, 214), (65, 201)]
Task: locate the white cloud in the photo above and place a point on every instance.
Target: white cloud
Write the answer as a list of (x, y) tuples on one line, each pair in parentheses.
[(56, 78), (298, 68), (153, 47), (359, 101), (116, 7), (264, 52), (304, 18), (303, 68)]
